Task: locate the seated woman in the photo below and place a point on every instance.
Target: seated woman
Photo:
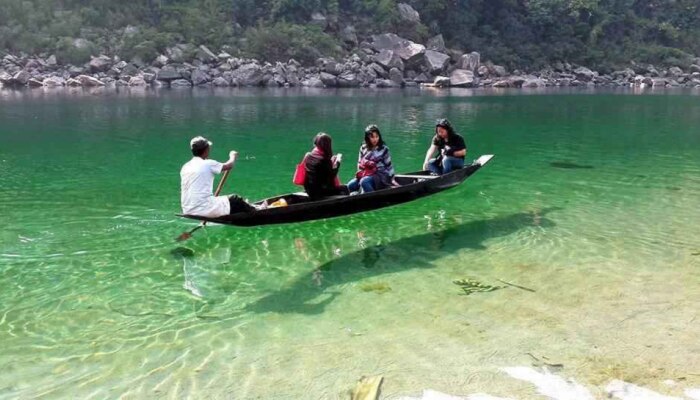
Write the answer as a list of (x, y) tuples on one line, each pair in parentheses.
[(374, 164), (322, 169), (451, 146)]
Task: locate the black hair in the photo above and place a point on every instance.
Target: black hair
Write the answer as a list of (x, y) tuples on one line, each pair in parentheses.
[(373, 129), (324, 142), (445, 123), (198, 151)]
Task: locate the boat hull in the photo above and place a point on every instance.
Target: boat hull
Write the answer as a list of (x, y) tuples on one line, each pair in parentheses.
[(413, 186)]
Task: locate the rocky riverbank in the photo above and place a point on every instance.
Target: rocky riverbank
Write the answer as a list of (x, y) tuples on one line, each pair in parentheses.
[(385, 61)]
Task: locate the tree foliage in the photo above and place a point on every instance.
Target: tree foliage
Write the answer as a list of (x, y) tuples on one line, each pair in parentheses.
[(528, 33)]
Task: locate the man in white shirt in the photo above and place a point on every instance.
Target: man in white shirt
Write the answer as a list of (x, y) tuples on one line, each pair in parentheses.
[(197, 180)]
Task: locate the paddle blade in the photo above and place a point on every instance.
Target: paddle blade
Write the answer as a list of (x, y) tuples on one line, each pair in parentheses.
[(186, 235), (183, 236)]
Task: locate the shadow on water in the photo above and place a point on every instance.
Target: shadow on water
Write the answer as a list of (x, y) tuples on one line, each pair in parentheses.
[(419, 251)]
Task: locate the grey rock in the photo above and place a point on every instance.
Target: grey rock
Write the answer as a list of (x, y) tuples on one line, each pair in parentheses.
[(423, 78), (408, 13), (469, 62), (51, 61), (130, 70), (137, 81), (388, 59), (168, 73), (436, 43), (180, 83), (73, 82), (348, 35), (5, 78), (584, 74), (206, 55), (348, 79), (442, 81), (313, 81), (409, 51), (675, 71), (199, 77), (379, 70), (396, 76), (35, 82), (250, 74), (463, 78), (21, 78), (89, 81), (328, 79), (658, 82), (160, 61), (435, 62), (533, 82), (220, 82), (386, 83), (100, 64), (695, 68), (54, 81), (483, 71)]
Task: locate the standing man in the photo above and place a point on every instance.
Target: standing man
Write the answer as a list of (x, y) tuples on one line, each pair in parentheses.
[(451, 146), (197, 181)]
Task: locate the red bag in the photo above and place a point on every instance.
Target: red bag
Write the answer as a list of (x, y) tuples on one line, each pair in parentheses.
[(367, 168), (300, 173)]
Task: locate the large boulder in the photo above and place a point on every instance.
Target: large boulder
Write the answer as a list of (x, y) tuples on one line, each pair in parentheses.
[(328, 80), (35, 82), (313, 81), (220, 82), (160, 61), (250, 74), (441, 81), (408, 13), (584, 74), (534, 82), (469, 62), (675, 71), (436, 43), (168, 73), (53, 81), (89, 81), (137, 81), (378, 70), (177, 83), (348, 79), (21, 78), (388, 59), (206, 56), (435, 62), (396, 76), (100, 64), (199, 77), (463, 78), (410, 52)]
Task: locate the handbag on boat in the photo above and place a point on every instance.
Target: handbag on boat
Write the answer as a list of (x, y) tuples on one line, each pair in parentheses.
[(300, 173), (367, 168)]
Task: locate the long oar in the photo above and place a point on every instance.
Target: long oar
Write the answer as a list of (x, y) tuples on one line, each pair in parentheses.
[(187, 235)]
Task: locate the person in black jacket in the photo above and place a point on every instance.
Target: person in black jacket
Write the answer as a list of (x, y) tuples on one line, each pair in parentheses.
[(451, 147), (322, 169)]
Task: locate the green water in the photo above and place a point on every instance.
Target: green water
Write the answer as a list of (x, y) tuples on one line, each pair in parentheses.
[(591, 202)]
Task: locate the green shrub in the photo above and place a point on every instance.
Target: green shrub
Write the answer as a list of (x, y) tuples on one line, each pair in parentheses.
[(282, 41)]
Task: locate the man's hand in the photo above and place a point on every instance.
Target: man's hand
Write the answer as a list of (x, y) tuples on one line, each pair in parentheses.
[(232, 155)]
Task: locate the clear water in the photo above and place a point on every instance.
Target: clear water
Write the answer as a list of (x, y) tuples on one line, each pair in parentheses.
[(591, 202)]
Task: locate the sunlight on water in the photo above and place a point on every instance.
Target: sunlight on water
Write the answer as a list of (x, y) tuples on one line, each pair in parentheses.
[(584, 225)]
